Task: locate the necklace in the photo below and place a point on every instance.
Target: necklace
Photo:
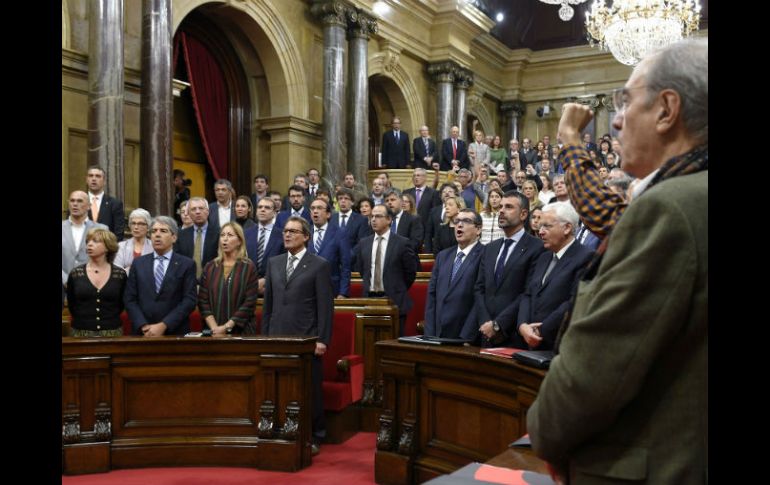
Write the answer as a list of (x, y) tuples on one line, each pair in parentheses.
[(94, 269)]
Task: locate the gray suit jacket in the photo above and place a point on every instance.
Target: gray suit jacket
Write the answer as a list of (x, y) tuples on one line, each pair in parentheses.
[(303, 305), (69, 257)]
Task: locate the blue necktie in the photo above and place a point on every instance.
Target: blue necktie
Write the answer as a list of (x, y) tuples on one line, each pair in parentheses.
[(160, 272), (319, 240), (344, 220), (501, 262), (393, 226), (456, 267)]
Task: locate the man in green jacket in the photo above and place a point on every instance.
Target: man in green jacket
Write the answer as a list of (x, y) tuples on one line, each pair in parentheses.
[(626, 398)]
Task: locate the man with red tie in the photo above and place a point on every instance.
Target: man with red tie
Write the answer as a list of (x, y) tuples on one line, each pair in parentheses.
[(454, 152)]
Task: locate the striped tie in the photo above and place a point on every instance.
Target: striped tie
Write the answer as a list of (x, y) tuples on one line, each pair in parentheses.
[(319, 240), (290, 267), (160, 272), (261, 247), (456, 267)]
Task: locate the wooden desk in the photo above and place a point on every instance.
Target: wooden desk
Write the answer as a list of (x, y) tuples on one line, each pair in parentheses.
[(445, 407), (173, 401)]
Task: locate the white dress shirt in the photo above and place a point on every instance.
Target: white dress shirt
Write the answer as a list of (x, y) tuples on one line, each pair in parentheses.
[(383, 252)]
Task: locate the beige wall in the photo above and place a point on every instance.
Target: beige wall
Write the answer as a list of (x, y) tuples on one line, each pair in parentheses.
[(281, 46)]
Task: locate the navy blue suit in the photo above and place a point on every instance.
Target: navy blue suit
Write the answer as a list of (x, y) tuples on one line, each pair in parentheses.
[(335, 248), (172, 305), (446, 154), (411, 228), (501, 303), (548, 302), (418, 148), (185, 244), (352, 226), (111, 215), (284, 215), (428, 200), (273, 246), (395, 154), (447, 307)]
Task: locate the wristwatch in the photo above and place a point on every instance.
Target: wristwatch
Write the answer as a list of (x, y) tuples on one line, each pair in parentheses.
[(495, 326)]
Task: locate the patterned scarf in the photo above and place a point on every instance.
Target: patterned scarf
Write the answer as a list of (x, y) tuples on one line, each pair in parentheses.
[(696, 160)]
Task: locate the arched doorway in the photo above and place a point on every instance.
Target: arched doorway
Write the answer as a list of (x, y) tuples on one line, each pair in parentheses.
[(385, 101)]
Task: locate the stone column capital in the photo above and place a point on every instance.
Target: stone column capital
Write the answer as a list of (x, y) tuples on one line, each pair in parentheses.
[(331, 12), (513, 108), (444, 71), (361, 24), (463, 78)]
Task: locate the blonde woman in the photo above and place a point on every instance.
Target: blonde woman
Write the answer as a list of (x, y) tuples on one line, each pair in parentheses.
[(229, 286), (139, 244), (445, 234), (95, 289), (529, 189), (490, 228)]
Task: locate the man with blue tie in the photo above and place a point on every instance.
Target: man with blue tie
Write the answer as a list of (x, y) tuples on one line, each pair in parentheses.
[(161, 288), (424, 149), (264, 240), (450, 292), (506, 267), (395, 147), (331, 243), (347, 219), (201, 240)]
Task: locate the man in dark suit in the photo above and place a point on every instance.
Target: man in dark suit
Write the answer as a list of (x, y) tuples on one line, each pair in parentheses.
[(331, 243), (201, 234), (301, 181), (454, 152), (161, 288), (505, 269), (424, 149), (264, 240), (404, 224), (587, 143), (528, 154), (425, 197), (395, 147), (450, 292), (104, 209), (261, 189), (299, 301), (348, 220), (223, 210), (296, 207), (390, 251), (554, 279)]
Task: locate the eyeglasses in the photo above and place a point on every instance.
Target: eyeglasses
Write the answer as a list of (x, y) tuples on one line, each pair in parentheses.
[(137, 223), (466, 222), (292, 231), (619, 98)]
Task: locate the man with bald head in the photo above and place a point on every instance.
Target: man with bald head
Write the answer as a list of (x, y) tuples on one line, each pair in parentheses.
[(424, 149), (454, 151), (73, 233)]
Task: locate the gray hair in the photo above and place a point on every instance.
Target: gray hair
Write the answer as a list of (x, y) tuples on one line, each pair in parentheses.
[(142, 214), (198, 199), (168, 221), (420, 170), (224, 182), (684, 67), (464, 171), (564, 212), (622, 182)]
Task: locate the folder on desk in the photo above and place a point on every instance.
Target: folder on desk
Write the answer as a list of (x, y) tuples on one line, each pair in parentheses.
[(535, 358), (426, 339), (479, 473)]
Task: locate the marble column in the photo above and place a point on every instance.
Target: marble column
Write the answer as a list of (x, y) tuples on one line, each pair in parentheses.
[(443, 74), (334, 154), (360, 26), (463, 81), (513, 111), (105, 91), (156, 109)]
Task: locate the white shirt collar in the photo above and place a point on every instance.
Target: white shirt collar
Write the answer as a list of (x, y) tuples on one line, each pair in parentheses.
[(563, 250), (299, 256), (643, 184), (467, 249)]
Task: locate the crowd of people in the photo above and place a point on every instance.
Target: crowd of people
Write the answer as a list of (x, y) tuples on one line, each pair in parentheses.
[(535, 248)]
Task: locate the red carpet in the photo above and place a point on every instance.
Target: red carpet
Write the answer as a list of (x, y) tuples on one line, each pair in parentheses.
[(351, 463)]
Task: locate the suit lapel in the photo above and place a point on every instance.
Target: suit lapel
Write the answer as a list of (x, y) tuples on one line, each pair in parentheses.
[(521, 248), (302, 265), (68, 239), (468, 261)]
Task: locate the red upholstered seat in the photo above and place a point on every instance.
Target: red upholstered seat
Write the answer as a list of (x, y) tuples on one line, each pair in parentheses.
[(195, 322), (342, 388), (356, 288), (419, 293), (426, 265)]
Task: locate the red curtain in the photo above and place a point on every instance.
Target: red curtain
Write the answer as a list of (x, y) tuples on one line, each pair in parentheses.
[(209, 96)]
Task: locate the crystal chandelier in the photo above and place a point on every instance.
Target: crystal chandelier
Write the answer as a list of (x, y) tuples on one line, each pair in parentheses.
[(565, 12), (632, 28)]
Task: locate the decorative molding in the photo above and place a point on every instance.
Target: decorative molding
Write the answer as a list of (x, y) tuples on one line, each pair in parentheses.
[(404, 82), (444, 71), (463, 79), (385, 433), (379, 393), (360, 23), (476, 107), (70, 430), (103, 424), (517, 107), (406, 441), (291, 425), (265, 428), (368, 397), (330, 12)]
